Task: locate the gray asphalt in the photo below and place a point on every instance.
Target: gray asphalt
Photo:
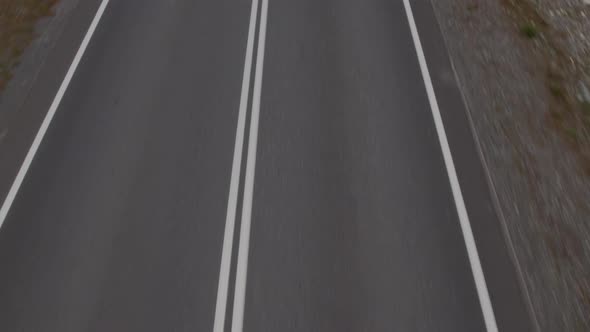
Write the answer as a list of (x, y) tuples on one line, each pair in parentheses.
[(119, 223), (352, 207)]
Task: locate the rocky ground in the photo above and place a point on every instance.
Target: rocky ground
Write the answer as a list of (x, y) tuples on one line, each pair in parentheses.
[(524, 68)]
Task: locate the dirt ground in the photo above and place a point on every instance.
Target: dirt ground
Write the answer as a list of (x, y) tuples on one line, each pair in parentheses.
[(18, 19), (524, 68)]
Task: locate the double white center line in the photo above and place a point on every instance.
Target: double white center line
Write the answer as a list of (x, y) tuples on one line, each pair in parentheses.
[(244, 240)]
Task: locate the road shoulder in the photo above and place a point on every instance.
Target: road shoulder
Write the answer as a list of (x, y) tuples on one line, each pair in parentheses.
[(27, 97), (508, 61), (509, 297)]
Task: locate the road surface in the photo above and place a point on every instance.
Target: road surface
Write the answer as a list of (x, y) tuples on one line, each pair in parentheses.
[(254, 165)]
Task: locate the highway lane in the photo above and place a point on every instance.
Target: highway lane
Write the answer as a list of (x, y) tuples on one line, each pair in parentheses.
[(345, 216), (119, 222), (354, 225)]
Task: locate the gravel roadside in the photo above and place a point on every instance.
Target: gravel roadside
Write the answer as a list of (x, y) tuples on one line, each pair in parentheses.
[(523, 67)]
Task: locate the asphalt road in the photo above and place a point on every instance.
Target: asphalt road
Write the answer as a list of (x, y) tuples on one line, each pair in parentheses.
[(265, 165)]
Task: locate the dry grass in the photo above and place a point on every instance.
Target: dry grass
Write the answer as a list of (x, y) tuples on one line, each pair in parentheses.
[(570, 117), (17, 30)]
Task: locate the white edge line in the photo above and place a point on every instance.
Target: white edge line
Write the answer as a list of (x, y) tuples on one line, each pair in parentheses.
[(478, 276), (496, 202), (242, 268), (228, 237), (49, 116)]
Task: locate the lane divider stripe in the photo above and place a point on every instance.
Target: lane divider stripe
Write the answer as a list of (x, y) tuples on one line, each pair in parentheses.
[(228, 237), (242, 267)]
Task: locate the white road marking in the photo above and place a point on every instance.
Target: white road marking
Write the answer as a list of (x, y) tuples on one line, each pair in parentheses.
[(49, 116), (228, 237), (480, 282), (242, 268)]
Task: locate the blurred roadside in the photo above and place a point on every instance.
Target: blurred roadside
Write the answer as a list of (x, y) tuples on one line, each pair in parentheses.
[(524, 69), (29, 30)]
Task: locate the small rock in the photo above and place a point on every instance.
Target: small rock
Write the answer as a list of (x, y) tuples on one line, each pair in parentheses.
[(584, 91)]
